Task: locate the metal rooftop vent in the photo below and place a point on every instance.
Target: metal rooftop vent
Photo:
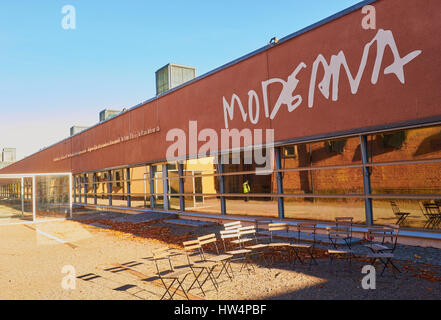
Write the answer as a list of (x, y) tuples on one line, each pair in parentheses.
[(76, 129), (107, 114), (173, 75), (8, 155)]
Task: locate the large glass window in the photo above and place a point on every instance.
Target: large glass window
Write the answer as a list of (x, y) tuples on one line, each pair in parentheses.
[(52, 197), (201, 185), (248, 190), (406, 164), (118, 181), (140, 187), (102, 188), (88, 179), (325, 209), (321, 180), (330, 168), (173, 186), (11, 205)]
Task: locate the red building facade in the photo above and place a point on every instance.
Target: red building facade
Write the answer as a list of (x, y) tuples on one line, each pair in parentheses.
[(355, 114)]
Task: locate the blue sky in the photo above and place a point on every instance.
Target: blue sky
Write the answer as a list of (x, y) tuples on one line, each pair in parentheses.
[(53, 78)]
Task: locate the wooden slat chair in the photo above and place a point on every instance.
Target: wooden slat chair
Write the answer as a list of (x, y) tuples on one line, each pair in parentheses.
[(239, 254), (248, 240), (193, 248), (308, 229), (401, 216), (236, 225), (246, 235), (232, 225), (342, 231), (222, 259), (169, 274), (381, 252), (281, 248)]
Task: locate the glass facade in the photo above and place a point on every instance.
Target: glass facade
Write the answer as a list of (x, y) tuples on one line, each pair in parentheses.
[(406, 172), (373, 178), (11, 205), (52, 197), (51, 193), (323, 180)]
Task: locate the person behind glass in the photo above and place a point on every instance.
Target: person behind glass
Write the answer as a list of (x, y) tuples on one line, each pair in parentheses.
[(246, 190)]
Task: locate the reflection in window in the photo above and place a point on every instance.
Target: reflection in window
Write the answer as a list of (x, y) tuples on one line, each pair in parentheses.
[(52, 196), (201, 185), (140, 187), (321, 180), (422, 213), (254, 206), (325, 209), (412, 144)]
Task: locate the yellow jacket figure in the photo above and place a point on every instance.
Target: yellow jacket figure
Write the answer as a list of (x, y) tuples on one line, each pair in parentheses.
[(246, 189)]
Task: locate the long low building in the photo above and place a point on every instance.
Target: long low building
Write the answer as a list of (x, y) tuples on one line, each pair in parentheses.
[(342, 118)]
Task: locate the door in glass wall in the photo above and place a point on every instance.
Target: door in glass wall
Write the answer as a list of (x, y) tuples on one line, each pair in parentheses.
[(201, 185), (158, 190), (173, 186)]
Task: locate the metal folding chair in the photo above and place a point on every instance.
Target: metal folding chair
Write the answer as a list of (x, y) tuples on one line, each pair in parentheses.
[(344, 253), (341, 232), (306, 229), (249, 240), (170, 275), (198, 267), (223, 259), (240, 254), (381, 252), (279, 247)]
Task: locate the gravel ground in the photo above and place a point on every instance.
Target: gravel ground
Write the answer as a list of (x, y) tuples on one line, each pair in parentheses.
[(31, 262)]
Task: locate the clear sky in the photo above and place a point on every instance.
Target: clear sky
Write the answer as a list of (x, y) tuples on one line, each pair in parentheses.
[(52, 78)]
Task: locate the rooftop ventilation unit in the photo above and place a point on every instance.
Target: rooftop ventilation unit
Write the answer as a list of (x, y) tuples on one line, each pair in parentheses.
[(107, 114), (173, 75), (8, 155), (76, 129)]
